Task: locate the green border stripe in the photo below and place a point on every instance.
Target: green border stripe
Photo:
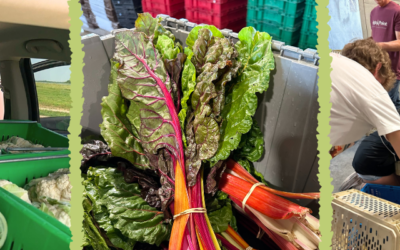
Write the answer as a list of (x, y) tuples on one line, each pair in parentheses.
[(75, 128), (324, 89)]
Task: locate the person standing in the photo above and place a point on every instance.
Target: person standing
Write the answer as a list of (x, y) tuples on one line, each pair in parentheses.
[(385, 25)]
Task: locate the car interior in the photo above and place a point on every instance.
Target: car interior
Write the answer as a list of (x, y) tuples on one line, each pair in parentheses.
[(30, 45)]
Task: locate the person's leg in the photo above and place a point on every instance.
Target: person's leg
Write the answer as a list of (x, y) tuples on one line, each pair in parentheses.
[(391, 180), (373, 157), (394, 94)]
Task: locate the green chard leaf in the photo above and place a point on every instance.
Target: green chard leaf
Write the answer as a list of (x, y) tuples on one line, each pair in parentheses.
[(188, 85), (121, 212), (251, 145), (166, 47), (257, 61), (151, 27), (219, 211), (91, 235), (233, 223), (100, 217), (144, 81), (120, 135), (248, 165)]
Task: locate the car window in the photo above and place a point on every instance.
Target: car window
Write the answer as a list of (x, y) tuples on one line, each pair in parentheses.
[(53, 88)]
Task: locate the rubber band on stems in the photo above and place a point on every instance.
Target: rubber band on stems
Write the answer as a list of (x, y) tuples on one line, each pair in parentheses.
[(198, 210), (249, 193)]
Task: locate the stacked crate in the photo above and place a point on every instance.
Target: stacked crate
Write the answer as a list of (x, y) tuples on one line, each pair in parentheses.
[(99, 14), (223, 14), (282, 19), (127, 12), (173, 8), (308, 37)]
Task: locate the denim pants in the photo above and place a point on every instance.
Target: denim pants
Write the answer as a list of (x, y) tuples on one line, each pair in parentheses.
[(394, 94)]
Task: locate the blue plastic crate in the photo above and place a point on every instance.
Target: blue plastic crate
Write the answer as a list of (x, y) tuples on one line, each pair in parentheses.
[(390, 193)]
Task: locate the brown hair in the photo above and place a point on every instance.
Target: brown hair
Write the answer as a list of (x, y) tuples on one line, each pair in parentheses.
[(367, 53)]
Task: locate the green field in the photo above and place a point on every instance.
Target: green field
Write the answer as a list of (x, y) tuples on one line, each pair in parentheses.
[(54, 99)]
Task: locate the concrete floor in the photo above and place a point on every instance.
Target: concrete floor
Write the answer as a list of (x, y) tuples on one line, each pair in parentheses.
[(341, 166)]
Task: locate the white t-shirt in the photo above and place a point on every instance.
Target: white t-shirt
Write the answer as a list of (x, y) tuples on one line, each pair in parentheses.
[(359, 103)]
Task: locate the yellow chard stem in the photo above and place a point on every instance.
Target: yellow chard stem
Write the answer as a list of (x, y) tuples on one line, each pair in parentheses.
[(214, 238)]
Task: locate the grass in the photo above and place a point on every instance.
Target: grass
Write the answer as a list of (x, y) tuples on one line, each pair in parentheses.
[(49, 113), (54, 98)]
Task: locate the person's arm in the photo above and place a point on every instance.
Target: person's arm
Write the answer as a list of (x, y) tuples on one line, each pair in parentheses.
[(392, 45), (394, 139)]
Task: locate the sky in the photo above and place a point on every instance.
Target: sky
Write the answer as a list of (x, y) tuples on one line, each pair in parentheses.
[(58, 74)]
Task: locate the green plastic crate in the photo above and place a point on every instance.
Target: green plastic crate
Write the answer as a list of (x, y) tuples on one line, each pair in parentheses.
[(309, 25), (28, 227), (274, 17), (35, 133), (308, 40), (310, 12), (311, 2), (289, 7), (289, 36)]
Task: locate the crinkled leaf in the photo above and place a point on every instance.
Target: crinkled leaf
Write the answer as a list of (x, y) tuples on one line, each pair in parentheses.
[(214, 59), (257, 61), (155, 194), (92, 152), (193, 35), (200, 48), (193, 161), (116, 129), (174, 69), (166, 47), (219, 211), (188, 85), (214, 176), (251, 145), (127, 212), (207, 137)]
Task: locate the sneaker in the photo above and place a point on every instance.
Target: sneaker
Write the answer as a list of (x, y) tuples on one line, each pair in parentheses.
[(352, 182)]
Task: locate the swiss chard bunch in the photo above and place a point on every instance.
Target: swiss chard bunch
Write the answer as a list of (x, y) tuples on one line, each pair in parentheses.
[(178, 114)]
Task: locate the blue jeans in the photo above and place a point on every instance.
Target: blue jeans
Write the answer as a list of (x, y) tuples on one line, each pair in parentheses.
[(394, 94)]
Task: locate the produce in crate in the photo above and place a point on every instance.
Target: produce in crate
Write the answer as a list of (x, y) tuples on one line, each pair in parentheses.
[(51, 194), (174, 121), (17, 142), (3, 230), (15, 190)]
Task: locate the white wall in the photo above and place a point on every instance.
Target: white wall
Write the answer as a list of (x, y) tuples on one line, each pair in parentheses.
[(345, 23)]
